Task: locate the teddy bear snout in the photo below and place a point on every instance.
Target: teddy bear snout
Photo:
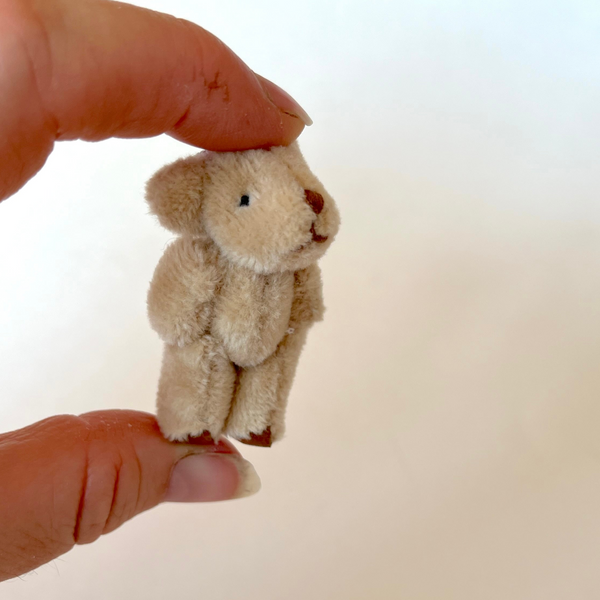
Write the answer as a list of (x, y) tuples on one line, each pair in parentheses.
[(314, 200)]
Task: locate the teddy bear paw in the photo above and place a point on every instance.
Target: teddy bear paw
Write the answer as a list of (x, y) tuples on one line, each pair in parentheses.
[(204, 439), (263, 439)]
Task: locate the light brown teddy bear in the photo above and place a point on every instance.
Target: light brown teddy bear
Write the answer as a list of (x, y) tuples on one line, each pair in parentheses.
[(235, 294)]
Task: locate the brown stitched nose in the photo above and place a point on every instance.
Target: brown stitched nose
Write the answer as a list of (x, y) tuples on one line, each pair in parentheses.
[(314, 200)]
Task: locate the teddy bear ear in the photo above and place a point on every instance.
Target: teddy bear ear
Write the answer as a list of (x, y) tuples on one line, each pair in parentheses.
[(174, 194)]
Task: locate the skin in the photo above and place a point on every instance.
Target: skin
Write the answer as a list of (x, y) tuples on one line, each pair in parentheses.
[(91, 70)]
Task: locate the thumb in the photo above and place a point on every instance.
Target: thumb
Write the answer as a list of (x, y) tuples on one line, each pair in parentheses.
[(67, 480)]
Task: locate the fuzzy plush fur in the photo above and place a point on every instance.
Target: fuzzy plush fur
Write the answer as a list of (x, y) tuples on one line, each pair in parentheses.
[(234, 295)]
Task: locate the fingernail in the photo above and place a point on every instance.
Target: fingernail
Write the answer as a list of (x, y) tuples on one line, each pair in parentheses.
[(283, 101), (211, 477)]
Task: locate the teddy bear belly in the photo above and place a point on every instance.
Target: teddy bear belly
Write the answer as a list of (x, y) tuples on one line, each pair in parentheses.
[(252, 317)]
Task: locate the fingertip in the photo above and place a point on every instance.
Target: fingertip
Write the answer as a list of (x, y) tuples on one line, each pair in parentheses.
[(283, 101), (261, 125), (211, 478)]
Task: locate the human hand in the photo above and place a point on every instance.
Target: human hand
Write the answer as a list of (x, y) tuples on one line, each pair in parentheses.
[(94, 69), (90, 70)]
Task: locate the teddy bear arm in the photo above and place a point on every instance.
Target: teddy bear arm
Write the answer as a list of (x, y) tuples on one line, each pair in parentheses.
[(307, 306), (180, 295)]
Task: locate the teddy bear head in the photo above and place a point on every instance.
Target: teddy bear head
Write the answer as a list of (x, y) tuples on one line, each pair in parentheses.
[(263, 209)]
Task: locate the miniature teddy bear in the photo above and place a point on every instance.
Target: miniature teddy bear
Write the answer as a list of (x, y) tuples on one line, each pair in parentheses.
[(234, 295)]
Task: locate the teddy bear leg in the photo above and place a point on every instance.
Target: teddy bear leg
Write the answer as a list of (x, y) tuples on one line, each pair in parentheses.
[(195, 390), (258, 409)]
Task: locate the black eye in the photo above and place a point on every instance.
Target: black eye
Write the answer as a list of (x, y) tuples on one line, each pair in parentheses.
[(245, 200)]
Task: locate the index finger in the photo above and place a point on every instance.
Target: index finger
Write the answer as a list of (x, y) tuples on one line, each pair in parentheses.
[(93, 69)]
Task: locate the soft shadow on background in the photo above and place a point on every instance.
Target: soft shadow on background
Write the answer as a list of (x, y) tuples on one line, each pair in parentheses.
[(443, 429)]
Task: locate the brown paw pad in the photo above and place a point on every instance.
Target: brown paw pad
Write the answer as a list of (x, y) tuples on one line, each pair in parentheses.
[(204, 439), (263, 439)]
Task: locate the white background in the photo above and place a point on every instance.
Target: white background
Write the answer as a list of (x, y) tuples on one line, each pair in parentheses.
[(443, 429)]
